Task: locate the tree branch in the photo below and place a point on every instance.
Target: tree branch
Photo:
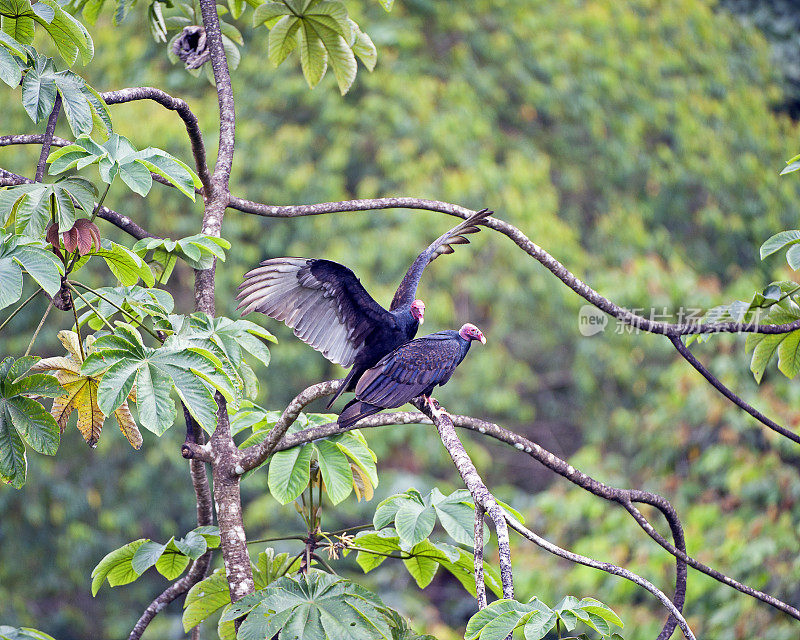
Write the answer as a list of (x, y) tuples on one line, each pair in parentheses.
[(481, 495), (257, 454), (31, 138), (603, 566), (624, 497), (524, 243), (173, 104), (48, 138), (477, 552), (730, 395), (205, 516)]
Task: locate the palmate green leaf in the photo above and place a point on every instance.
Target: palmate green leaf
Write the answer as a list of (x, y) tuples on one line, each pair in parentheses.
[(340, 56), (205, 598), (765, 346), (383, 542), (31, 256), (10, 282), (124, 357), (31, 206), (128, 267), (282, 39), (172, 562), (118, 156), (318, 606), (39, 90), (146, 556), (313, 56), (268, 12), (70, 37), (22, 419), (13, 462), (424, 562)]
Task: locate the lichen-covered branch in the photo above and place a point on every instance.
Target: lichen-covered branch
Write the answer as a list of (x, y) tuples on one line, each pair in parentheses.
[(173, 104), (257, 454), (524, 243), (31, 138), (604, 566), (48, 138), (477, 551), (481, 495)]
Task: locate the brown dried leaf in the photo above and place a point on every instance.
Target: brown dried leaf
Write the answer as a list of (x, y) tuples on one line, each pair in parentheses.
[(128, 426)]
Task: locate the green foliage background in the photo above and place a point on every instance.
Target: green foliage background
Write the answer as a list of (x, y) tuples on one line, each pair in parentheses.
[(634, 141)]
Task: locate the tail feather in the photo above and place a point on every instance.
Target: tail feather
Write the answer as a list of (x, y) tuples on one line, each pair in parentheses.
[(354, 411), (344, 387)]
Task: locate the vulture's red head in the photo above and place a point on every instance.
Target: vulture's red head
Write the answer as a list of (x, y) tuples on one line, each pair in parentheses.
[(471, 332), (418, 310)]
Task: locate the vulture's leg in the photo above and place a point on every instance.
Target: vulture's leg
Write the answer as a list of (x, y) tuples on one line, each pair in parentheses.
[(436, 408)]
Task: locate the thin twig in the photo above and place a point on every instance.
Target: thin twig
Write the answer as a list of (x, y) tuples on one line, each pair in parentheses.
[(730, 395), (19, 308), (90, 305), (39, 328), (116, 306)]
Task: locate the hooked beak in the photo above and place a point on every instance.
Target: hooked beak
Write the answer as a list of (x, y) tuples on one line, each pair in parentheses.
[(483, 339), (421, 321)]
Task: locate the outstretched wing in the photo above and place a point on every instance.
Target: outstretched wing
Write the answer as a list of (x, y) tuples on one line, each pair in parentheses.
[(322, 301), (407, 290), (408, 371)]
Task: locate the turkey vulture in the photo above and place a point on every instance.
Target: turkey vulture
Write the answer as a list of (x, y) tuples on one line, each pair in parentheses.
[(411, 370), (330, 310)]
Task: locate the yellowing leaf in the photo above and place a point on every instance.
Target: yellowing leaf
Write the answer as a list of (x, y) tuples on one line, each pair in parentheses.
[(361, 483), (82, 393)]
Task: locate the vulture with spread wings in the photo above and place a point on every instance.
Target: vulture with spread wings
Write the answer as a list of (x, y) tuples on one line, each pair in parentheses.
[(411, 370), (330, 310)]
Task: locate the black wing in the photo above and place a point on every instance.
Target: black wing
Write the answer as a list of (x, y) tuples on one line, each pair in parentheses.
[(407, 290), (322, 301), (408, 371)]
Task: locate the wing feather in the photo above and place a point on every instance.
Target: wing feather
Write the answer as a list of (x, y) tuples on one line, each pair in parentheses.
[(408, 371), (407, 290), (322, 301)]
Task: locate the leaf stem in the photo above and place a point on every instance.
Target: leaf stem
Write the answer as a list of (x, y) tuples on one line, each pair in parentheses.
[(325, 564), (19, 308), (89, 304), (39, 328), (77, 324), (116, 306)]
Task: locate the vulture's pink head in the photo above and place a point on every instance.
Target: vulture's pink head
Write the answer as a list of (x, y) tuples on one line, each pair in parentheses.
[(418, 310), (471, 332)]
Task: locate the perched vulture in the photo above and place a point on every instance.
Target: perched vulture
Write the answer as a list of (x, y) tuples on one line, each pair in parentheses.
[(411, 370), (330, 310)]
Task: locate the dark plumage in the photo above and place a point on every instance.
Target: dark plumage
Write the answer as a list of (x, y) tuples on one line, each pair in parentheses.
[(411, 370), (330, 310)]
